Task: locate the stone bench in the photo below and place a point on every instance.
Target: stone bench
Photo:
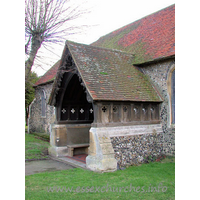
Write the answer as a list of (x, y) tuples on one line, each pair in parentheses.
[(71, 148)]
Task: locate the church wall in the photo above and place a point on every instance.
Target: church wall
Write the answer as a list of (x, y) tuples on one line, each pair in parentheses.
[(159, 74), (136, 149), (37, 122)]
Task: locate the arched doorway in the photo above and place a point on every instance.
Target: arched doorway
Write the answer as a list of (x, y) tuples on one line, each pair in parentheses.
[(74, 106)]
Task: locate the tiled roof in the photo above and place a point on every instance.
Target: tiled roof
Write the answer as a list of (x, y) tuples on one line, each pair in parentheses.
[(150, 38), (109, 75), (49, 75)]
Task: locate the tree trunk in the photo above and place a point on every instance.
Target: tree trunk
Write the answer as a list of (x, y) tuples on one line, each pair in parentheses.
[(27, 114), (35, 45)]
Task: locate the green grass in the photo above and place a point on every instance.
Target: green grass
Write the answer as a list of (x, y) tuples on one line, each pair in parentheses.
[(42, 136), (35, 148), (143, 178), (104, 73)]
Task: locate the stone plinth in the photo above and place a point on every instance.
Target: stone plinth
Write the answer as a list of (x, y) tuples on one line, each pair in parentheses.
[(101, 154)]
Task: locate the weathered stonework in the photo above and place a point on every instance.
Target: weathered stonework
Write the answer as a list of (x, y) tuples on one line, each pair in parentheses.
[(101, 154), (135, 149), (37, 122), (169, 142), (125, 145), (159, 74)]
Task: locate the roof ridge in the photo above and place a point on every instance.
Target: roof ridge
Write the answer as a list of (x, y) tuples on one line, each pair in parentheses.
[(97, 47)]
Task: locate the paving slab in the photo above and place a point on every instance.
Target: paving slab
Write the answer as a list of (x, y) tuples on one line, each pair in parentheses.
[(34, 167)]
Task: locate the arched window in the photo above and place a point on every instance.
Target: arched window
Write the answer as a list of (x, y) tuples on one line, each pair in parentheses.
[(43, 103), (173, 97), (171, 92)]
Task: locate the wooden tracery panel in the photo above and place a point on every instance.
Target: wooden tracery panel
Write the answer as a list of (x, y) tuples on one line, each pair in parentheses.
[(144, 112), (136, 112)]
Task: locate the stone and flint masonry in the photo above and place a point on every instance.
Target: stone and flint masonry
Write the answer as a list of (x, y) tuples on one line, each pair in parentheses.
[(114, 99)]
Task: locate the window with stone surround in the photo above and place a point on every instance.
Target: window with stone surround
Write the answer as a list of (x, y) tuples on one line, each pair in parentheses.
[(173, 96), (43, 103), (171, 91)]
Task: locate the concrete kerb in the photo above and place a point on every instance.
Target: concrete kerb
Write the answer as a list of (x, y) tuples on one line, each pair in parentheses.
[(38, 159), (69, 161)]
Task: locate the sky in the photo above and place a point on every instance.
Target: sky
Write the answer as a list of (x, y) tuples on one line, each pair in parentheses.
[(104, 17)]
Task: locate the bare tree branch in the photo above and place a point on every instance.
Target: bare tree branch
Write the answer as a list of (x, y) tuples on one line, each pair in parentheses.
[(47, 21)]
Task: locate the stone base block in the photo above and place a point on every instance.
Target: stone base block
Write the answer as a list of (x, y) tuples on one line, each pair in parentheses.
[(58, 151), (98, 164), (101, 154)]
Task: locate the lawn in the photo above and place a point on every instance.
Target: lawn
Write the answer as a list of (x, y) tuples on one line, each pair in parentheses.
[(35, 148), (155, 180)]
